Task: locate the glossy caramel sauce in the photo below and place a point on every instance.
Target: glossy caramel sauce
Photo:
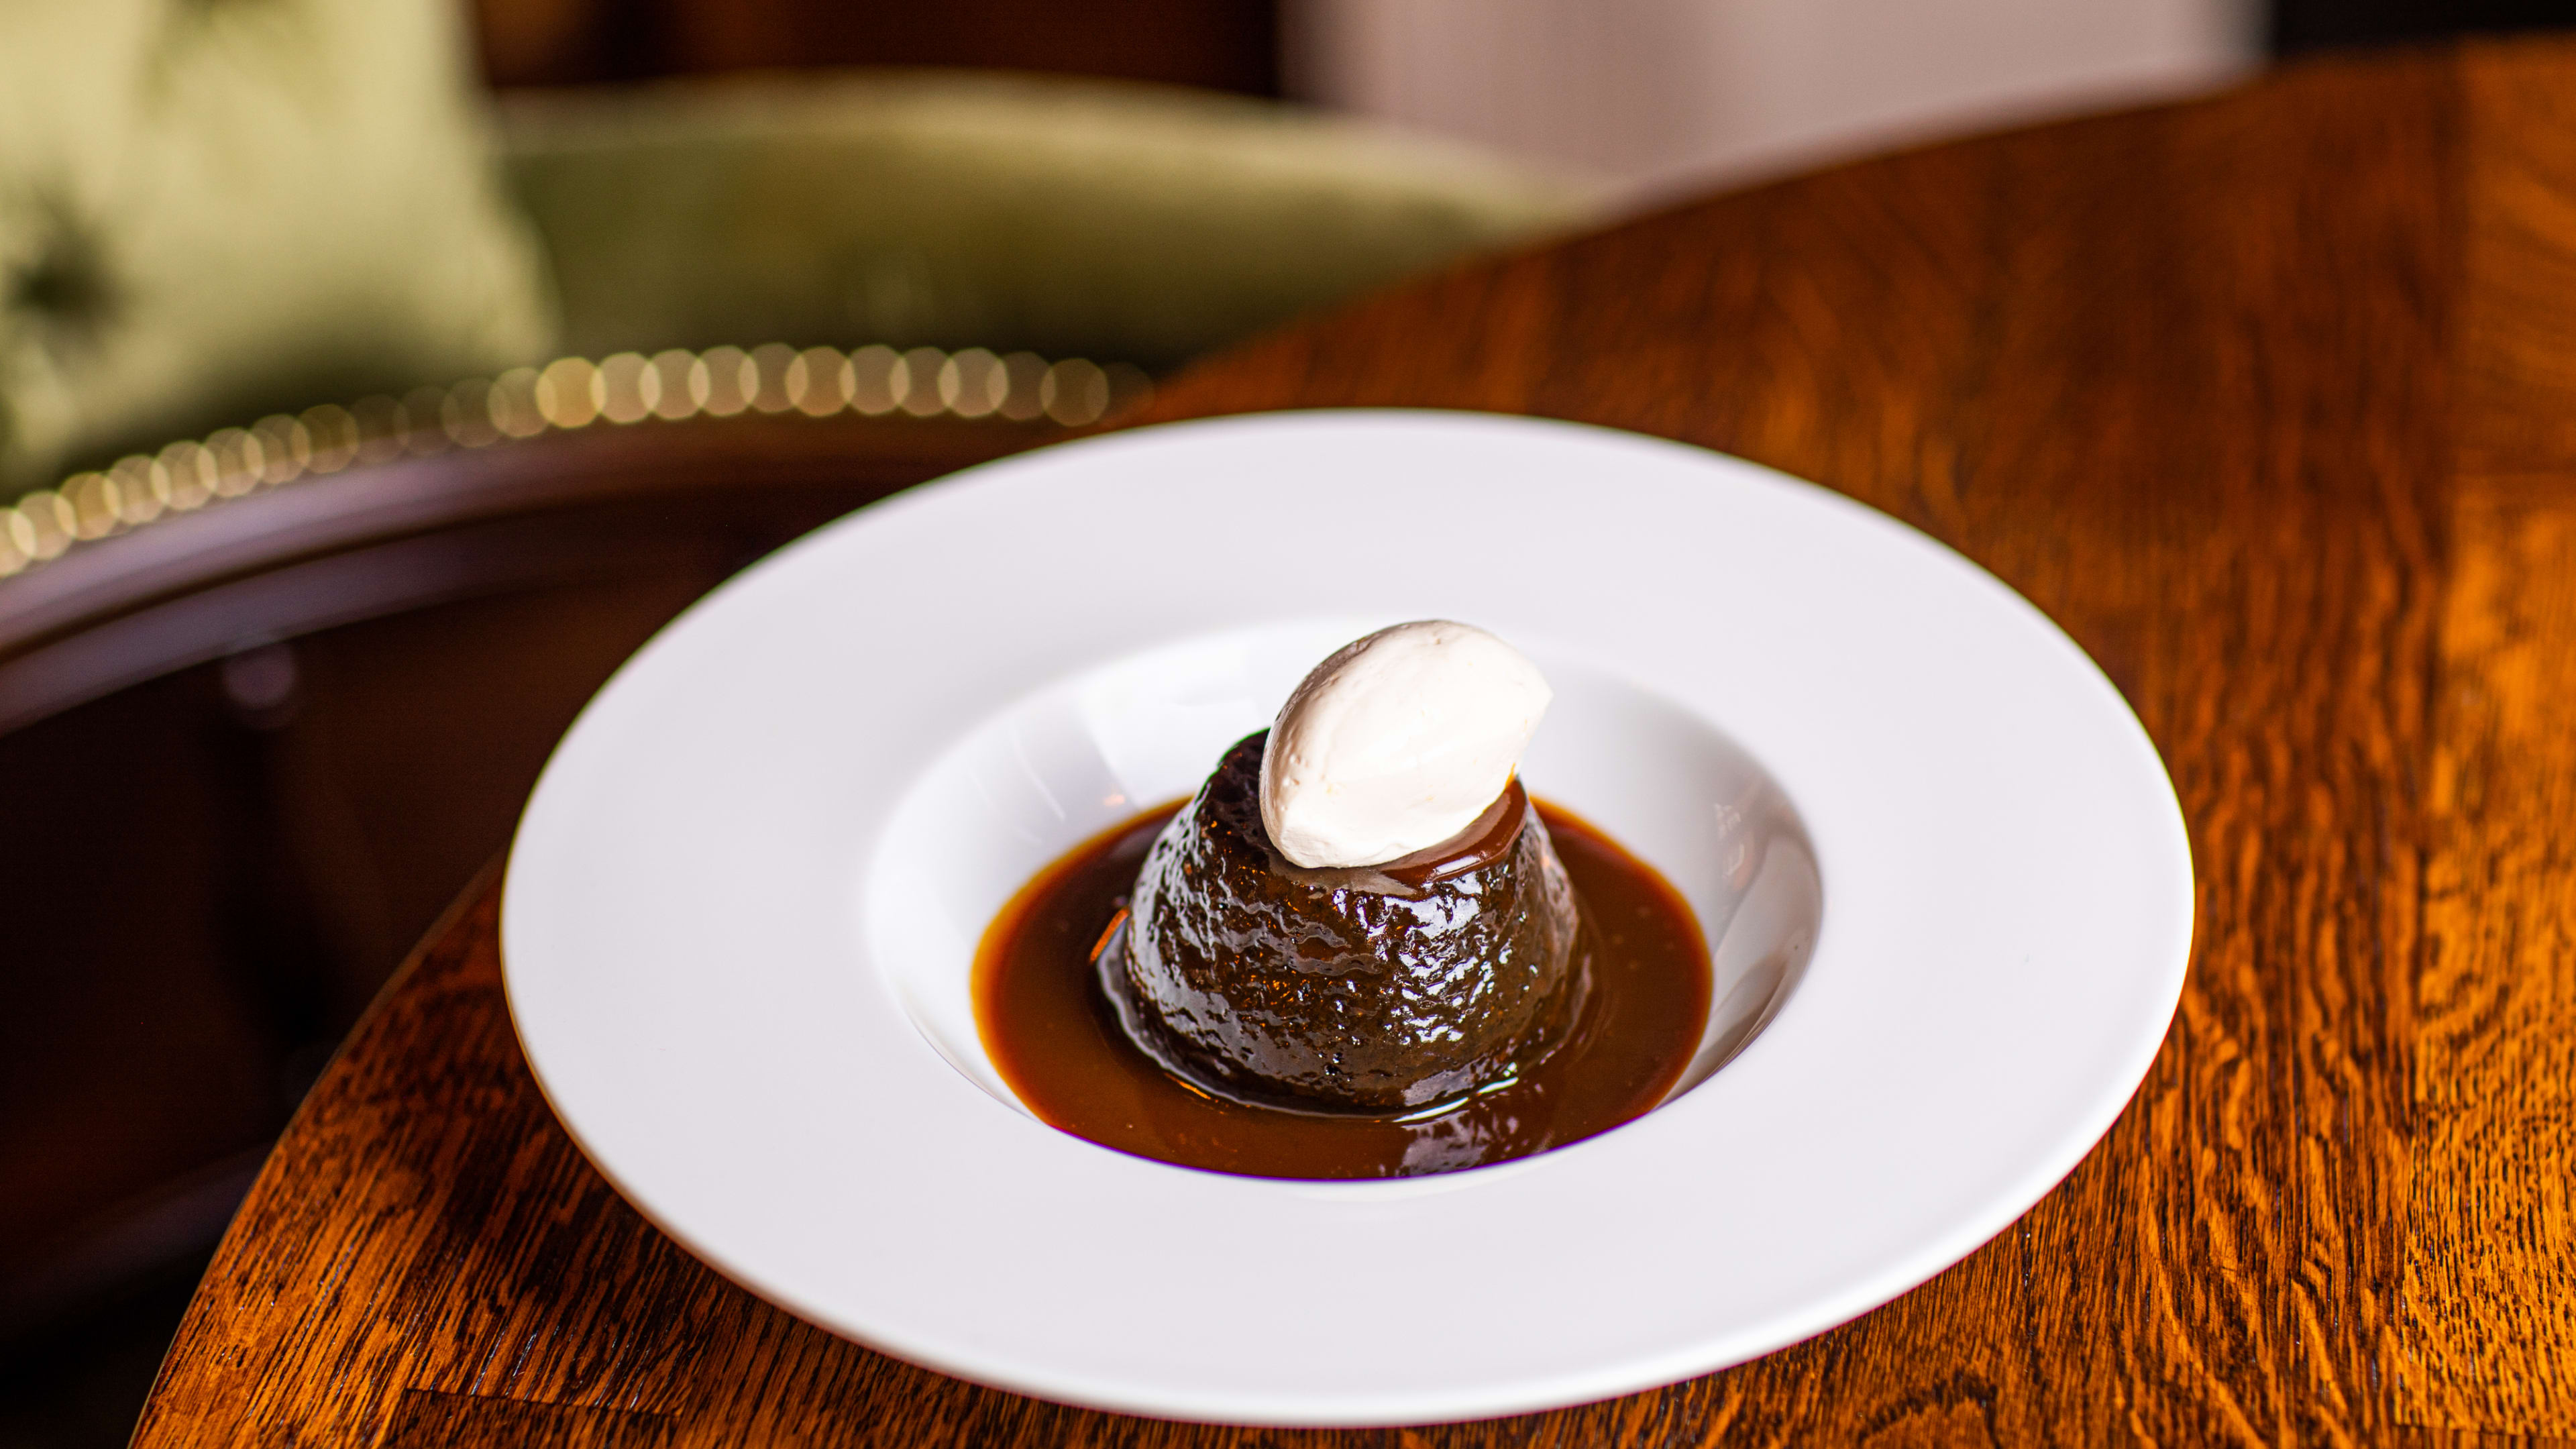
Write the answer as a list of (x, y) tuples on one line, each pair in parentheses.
[(1485, 840), (1053, 1034)]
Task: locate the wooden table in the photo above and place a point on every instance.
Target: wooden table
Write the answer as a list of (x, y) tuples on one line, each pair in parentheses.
[(2271, 402)]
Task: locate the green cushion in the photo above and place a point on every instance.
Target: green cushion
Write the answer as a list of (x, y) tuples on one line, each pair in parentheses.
[(1067, 217), (214, 208)]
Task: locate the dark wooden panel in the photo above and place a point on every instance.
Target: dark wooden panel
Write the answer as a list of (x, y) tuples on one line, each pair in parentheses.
[(2300, 26), (1224, 44)]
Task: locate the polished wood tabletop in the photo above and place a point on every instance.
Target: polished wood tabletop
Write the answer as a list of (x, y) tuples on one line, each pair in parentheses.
[(2270, 401)]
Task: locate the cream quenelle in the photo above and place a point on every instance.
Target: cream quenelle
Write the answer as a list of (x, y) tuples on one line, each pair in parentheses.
[(1396, 743)]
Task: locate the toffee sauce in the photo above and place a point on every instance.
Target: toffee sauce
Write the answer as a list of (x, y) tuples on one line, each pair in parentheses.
[(1056, 1039)]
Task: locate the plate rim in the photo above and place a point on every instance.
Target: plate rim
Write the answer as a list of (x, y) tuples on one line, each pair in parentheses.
[(1642, 1370)]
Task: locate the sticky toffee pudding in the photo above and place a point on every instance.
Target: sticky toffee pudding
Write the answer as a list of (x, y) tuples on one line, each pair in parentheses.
[(1059, 1041), (1360, 950), (1384, 988)]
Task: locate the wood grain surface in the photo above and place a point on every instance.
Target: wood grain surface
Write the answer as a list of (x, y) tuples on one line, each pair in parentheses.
[(2270, 401), (2490, 1271)]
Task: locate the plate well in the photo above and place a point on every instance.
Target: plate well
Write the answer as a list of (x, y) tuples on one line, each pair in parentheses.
[(1081, 754)]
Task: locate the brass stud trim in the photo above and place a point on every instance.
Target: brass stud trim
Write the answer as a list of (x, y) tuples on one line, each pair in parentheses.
[(566, 394)]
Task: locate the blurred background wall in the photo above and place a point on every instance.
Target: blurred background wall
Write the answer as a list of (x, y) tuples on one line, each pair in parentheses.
[(1655, 97)]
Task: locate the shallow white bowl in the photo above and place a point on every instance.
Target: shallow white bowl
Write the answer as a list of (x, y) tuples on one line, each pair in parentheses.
[(1930, 845)]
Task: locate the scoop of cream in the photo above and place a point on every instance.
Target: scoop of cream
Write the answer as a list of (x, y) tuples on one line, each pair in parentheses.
[(1396, 743)]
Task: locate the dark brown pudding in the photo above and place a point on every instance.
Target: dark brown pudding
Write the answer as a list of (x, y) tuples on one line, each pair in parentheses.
[(1376, 989), (1053, 1035)]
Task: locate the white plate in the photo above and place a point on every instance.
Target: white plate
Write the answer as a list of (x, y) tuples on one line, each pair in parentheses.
[(741, 903)]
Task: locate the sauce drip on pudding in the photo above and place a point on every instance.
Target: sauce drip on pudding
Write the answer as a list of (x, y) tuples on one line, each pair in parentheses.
[(1622, 1042)]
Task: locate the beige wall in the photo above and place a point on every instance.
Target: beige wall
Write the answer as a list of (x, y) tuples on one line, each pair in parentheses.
[(1658, 95)]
